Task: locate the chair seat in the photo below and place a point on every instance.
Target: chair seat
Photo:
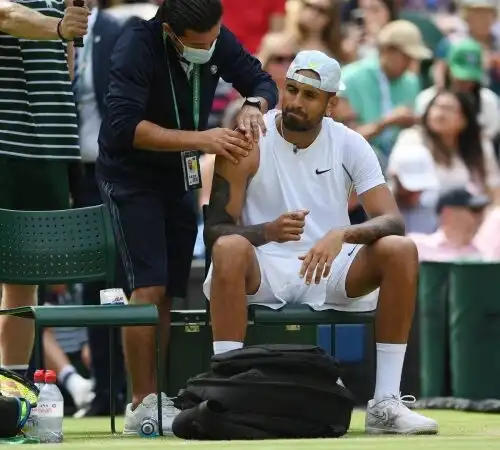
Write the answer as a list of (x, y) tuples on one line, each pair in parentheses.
[(305, 315), (87, 316), (288, 315)]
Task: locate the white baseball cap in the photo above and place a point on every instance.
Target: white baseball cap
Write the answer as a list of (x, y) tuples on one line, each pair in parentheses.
[(414, 168), (328, 70)]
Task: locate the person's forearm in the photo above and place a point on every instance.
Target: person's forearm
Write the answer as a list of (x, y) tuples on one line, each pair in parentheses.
[(374, 229), (371, 130), (22, 22), (149, 136), (218, 222)]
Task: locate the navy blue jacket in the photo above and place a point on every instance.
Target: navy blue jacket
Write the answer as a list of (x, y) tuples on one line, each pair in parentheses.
[(139, 89)]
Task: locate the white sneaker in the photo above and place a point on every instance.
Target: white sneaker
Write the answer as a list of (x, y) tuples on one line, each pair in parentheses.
[(81, 390), (148, 409), (391, 416)]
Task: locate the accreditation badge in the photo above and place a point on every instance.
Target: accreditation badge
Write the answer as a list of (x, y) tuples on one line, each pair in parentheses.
[(191, 169)]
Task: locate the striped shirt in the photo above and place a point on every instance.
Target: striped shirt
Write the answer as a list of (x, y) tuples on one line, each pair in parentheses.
[(37, 108)]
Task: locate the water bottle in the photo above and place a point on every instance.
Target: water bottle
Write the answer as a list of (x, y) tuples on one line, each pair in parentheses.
[(39, 379), (31, 426), (50, 411)]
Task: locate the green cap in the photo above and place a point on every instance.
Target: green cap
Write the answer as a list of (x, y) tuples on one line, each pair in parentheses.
[(465, 60)]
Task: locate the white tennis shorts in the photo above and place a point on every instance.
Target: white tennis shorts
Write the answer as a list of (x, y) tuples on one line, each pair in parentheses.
[(281, 284)]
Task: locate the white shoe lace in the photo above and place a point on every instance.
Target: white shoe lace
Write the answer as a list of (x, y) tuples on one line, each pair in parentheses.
[(401, 401)]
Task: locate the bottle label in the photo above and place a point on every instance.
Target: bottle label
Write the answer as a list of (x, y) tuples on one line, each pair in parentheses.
[(50, 409)]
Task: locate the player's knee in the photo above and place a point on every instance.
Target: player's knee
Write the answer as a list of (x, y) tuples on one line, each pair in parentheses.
[(398, 251), (232, 251), (151, 295)]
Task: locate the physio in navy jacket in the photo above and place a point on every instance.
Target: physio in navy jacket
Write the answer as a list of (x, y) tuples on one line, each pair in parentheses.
[(163, 77), (90, 85)]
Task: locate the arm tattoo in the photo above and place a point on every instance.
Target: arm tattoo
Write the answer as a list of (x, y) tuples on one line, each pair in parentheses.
[(374, 229), (219, 223)]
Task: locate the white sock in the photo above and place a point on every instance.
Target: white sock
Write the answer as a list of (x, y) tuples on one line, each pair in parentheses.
[(390, 359), (20, 369), (226, 346), (65, 374)]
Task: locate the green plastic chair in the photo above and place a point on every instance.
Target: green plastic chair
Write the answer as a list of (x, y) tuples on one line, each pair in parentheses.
[(64, 247)]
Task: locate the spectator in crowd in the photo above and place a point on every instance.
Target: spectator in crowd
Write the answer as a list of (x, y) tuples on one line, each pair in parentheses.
[(251, 20), (413, 180), (480, 18), (316, 25), (90, 85), (460, 214), (38, 132), (373, 15), (393, 89), (466, 74), (451, 136), (163, 76), (276, 52)]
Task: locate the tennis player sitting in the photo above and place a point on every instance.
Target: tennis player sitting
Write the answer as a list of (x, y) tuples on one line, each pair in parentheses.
[(304, 168)]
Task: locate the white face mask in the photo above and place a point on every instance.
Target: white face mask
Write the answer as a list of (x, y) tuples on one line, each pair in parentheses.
[(194, 55), (198, 55)]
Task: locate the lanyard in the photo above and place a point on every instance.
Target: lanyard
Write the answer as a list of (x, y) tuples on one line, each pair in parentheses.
[(195, 78)]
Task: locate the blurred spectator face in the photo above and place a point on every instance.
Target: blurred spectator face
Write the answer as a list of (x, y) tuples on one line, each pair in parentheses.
[(480, 20), (394, 61), (276, 53), (462, 220), (445, 115), (303, 106), (314, 15), (376, 14)]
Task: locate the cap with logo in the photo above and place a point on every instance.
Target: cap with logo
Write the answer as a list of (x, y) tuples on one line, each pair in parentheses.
[(328, 70), (414, 168), (465, 60), (461, 197), (406, 37)]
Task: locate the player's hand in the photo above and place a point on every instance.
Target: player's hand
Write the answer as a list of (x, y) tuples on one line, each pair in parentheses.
[(75, 21), (287, 227), (225, 142), (317, 262), (251, 122)]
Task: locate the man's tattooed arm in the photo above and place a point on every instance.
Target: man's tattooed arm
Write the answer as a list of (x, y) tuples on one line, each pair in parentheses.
[(374, 229), (219, 222), (385, 219)]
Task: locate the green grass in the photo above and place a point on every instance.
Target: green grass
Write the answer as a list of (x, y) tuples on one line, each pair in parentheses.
[(458, 431)]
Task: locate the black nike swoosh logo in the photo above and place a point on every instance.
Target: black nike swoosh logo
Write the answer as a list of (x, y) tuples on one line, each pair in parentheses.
[(352, 251), (319, 172)]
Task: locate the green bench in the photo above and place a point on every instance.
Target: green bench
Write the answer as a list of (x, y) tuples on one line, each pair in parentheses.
[(64, 247)]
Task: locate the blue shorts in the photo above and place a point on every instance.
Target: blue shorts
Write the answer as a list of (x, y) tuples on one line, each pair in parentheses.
[(155, 231)]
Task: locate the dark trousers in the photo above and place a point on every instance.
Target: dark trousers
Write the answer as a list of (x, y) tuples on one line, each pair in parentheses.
[(86, 193)]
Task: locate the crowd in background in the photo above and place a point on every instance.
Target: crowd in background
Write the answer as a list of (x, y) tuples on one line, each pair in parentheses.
[(432, 117)]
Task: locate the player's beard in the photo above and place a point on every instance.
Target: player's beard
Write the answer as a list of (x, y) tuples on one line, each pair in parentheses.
[(294, 123)]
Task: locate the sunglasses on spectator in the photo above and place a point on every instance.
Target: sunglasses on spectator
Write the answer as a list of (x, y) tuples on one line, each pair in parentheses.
[(317, 8), (281, 59)]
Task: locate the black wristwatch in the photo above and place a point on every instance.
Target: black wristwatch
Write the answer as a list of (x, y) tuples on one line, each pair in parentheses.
[(253, 101)]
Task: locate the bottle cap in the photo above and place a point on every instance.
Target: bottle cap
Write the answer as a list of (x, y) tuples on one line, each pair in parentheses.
[(50, 376), (39, 376)]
